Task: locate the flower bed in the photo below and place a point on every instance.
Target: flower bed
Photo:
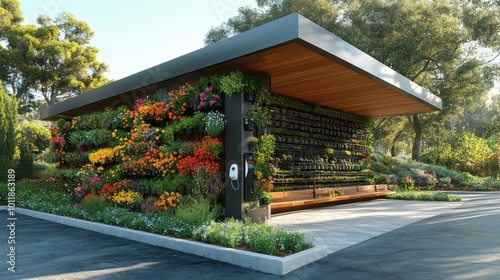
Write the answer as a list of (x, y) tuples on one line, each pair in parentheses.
[(192, 219)]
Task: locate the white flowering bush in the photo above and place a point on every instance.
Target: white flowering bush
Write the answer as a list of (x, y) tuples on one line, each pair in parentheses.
[(215, 122)]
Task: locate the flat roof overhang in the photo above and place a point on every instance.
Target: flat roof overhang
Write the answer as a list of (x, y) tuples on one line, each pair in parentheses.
[(303, 60)]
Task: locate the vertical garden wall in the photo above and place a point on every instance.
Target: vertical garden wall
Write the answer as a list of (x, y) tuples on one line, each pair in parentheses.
[(318, 147), (180, 143)]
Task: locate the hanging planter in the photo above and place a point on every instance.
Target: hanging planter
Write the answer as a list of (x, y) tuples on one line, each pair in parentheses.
[(249, 97), (200, 129), (248, 127)]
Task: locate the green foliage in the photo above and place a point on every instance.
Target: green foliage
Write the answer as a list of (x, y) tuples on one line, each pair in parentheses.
[(232, 83), (45, 171), (25, 168), (423, 174), (292, 241), (262, 239), (487, 184), (215, 122), (323, 12), (59, 62), (93, 204), (37, 136), (264, 154), (196, 213), (4, 193), (259, 116), (424, 196), (468, 153), (8, 125)]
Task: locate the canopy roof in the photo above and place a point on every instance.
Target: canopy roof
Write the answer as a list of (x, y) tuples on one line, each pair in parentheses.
[(303, 60)]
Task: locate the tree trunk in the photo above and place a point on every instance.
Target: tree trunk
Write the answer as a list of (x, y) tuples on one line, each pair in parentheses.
[(393, 151), (393, 146), (417, 141)]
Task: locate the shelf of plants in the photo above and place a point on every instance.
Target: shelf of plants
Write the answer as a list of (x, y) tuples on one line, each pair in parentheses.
[(317, 147)]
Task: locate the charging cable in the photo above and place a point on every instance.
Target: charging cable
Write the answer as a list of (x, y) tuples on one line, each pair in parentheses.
[(238, 182)]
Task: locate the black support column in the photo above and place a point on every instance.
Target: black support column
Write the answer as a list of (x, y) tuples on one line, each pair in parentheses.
[(235, 147)]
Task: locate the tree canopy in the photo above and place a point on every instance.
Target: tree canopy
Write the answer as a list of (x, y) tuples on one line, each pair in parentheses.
[(447, 46), (52, 59)]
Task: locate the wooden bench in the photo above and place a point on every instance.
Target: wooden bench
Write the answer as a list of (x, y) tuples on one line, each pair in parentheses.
[(294, 200)]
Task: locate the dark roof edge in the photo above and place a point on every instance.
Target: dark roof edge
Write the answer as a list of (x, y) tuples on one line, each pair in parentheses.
[(353, 58), (256, 39)]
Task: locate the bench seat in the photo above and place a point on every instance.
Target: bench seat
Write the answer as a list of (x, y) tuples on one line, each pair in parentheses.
[(295, 200)]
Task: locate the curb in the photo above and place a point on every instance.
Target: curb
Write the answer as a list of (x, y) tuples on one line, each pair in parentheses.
[(259, 262)]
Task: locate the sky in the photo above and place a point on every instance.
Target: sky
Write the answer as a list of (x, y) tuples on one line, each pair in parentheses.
[(133, 35)]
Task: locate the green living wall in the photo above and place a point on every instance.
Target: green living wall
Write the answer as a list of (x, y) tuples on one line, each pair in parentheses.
[(318, 147)]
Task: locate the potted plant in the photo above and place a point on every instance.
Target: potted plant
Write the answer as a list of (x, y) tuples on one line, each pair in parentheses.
[(266, 198), (209, 97), (199, 121), (252, 143), (257, 116), (214, 123), (188, 123), (232, 83)]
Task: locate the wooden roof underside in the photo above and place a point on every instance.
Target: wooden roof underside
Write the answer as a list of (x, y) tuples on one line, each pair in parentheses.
[(301, 73)]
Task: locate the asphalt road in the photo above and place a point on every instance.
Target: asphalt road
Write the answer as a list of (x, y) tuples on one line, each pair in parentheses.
[(463, 243)]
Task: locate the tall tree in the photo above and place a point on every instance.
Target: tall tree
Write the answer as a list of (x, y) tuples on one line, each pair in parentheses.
[(445, 45), (322, 12), (8, 125), (52, 59)]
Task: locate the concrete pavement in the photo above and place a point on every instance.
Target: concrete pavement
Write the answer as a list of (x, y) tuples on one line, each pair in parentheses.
[(342, 226), (380, 239)]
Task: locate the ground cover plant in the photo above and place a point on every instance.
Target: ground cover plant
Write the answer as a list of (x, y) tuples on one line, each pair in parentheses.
[(398, 171), (424, 196), (415, 180)]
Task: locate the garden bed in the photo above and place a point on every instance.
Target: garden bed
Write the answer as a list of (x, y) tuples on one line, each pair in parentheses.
[(260, 262)]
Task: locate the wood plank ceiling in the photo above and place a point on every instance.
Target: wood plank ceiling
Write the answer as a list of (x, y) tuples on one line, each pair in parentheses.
[(304, 74)]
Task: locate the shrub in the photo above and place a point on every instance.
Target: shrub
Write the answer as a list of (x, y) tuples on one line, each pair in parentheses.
[(292, 241), (4, 191), (261, 239), (93, 203), (25, 168), (488, 184), (408, 184), (36, 135), (444, 182), (8, 124), (424, 196), (128, 199), (195, 213)]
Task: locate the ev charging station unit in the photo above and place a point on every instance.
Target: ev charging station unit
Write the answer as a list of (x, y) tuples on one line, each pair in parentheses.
[(239, 160)]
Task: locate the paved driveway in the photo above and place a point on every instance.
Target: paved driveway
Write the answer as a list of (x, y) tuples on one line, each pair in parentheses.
[(459, 241)]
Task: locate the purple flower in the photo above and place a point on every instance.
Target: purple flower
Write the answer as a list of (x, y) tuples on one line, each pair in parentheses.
[(94, 179)]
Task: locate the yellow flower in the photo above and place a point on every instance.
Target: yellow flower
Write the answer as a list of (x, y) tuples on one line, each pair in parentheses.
[(102, 156)]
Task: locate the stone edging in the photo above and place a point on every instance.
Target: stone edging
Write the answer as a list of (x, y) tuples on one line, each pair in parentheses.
[(260, 262)]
